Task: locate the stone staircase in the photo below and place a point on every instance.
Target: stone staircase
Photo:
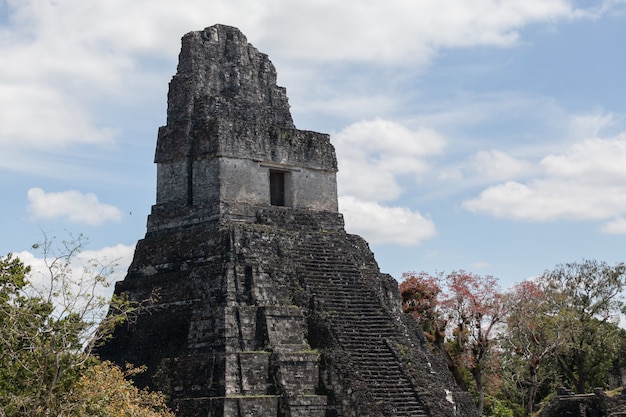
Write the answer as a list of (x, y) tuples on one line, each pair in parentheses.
[(277, 318), (355, 313)]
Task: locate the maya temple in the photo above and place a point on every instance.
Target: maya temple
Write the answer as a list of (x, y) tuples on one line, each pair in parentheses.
[(266, 306)]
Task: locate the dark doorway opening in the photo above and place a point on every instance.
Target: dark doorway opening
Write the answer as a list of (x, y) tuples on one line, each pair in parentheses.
[(277, 188)]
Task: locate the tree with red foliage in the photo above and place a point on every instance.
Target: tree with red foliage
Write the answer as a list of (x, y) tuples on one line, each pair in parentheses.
[(420, 294), (474, 307), (419, 297), (469, 311)]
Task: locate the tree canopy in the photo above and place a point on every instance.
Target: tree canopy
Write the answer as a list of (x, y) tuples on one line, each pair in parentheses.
[(459, 314), (558, 329), (586, 300), (49, 325)]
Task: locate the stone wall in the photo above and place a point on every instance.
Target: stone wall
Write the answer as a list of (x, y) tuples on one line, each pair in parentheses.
[(599, 404)]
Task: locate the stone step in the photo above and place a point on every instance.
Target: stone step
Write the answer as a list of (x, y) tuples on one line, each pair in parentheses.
[(361, 325)]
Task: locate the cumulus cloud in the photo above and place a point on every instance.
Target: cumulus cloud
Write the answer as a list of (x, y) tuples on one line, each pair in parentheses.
[(586, 182), (71, 205), (380, 224), (352, 31), (59, 55), (593, 161), (373, 154)]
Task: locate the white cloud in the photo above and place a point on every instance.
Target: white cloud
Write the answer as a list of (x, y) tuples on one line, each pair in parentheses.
[(593, 161), (550, 199), (374, 153), (495, 165), (586, 182), (380, 224), (322, 30), (71, 205), (352, 29), (60, 56), (615, 227), (120, 255)]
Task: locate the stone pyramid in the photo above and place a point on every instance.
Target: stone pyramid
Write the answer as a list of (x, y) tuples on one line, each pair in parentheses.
[(266, 306)]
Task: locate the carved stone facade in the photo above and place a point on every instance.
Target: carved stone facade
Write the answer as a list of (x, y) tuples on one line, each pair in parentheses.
[(266, 306), (229, 132)]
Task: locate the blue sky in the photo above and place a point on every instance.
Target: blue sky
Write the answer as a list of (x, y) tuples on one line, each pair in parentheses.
[(471, 134)]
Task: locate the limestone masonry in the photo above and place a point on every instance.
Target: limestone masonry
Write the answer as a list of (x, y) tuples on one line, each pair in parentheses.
[(266, 306)]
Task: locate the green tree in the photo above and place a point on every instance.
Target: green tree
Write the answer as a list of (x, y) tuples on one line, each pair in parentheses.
[(49, 324), (531, 339), (12, 280), (587, 304)]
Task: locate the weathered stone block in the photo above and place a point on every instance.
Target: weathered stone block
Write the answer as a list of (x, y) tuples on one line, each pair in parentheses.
[(298, 372), (251, 406), (308, 406), (255, 373), (283, 327)]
